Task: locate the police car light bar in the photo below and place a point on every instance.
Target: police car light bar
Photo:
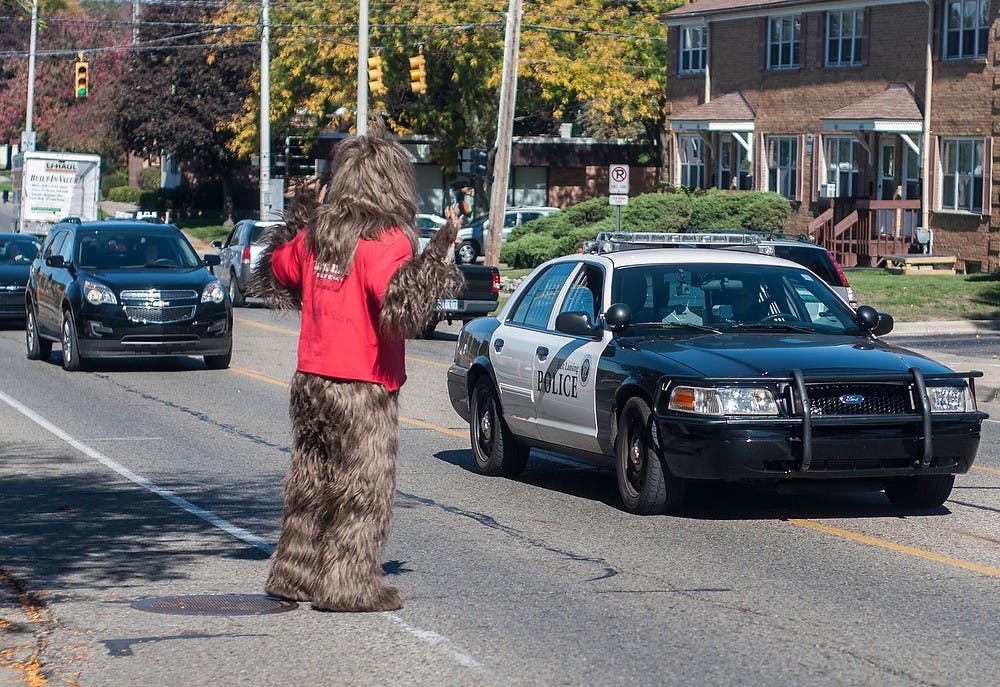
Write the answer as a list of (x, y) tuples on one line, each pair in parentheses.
[(610, 241)]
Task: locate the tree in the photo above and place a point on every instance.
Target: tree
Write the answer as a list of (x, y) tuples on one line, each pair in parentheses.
[(60, 120), (176, 97)]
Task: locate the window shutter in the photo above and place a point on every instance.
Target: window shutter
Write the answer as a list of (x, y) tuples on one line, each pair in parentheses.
[(803, 25), (800, 167), (938, 19), (763, 43), (817, 167), (866, 32), (821, 29), (760, 167), (987, 176)]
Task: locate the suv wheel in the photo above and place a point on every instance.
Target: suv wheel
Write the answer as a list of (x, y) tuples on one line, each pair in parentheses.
[(71, 360), (36, 347), (239, 299)]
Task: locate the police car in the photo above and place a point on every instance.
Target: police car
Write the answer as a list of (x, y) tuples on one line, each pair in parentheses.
[(692, 364)]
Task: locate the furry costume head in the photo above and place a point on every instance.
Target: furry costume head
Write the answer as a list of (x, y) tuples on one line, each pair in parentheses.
[(372, 189)]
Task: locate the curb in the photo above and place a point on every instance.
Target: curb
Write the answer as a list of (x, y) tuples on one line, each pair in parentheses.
[(946, 327)]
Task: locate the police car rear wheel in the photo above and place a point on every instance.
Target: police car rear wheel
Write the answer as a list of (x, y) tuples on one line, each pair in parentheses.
[(644, 482), (925, 491), (496, 450)]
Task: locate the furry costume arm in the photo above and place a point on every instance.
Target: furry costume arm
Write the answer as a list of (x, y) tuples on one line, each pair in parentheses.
[(263, 283), (417, 285)]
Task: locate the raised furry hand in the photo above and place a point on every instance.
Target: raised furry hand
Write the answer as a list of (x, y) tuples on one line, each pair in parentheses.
[(416, 287), (262, 282)]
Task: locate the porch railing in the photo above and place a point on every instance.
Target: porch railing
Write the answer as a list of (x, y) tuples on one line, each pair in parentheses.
[(862, 232)]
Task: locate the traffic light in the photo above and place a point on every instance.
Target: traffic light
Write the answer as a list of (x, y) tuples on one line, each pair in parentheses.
[(480, 162), (81, 80), (297, 162), (375, 84), (418, 76)]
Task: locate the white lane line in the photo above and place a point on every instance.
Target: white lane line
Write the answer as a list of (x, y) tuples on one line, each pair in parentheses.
[(428, 636), (210, 518)]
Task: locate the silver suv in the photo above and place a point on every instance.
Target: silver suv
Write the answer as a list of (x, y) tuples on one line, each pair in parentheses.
[(474, 235), (238, 254)]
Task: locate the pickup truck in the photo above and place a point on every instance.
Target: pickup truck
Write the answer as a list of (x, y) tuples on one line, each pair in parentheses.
[(478, 298)]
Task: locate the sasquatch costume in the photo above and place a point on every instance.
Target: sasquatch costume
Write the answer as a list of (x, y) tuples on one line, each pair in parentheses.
[(350, 265)]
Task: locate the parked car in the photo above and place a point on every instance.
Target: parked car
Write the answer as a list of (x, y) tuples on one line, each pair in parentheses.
[(797, 249), (676, 365), (124, 288), (16, 253), (238, 255), (429, 221), (474, 235)]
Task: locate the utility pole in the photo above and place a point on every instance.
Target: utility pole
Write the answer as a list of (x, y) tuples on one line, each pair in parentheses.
[(265, 110), (505, 130), (361, 125), (28, 137)]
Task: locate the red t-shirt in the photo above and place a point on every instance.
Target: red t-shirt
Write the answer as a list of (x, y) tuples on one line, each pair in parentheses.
[(340, 335)]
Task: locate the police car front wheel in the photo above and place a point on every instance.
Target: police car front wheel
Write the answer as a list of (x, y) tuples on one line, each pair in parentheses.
[(644, 481), (496, 450)]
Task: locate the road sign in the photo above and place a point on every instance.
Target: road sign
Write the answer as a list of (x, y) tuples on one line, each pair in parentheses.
[(617, 199), (618, 179)]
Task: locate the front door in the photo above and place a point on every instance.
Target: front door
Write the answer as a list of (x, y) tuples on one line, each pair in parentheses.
[(888, 179)]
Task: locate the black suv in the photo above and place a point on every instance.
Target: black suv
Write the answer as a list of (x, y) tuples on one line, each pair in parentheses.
[(119, 289)]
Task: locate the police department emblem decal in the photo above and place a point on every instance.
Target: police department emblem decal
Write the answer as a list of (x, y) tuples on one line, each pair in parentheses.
[(585, 371)]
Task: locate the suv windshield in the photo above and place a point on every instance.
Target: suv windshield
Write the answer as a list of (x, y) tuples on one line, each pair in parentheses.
[(102, 249)]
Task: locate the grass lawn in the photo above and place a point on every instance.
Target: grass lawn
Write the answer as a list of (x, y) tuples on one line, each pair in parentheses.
[(916, 298), (207, 233), (913, 298)]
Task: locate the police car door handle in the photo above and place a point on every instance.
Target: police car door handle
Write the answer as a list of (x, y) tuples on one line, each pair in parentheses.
[(542, 352), (497, 345)]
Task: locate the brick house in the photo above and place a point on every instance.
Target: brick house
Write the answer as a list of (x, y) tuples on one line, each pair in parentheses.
[(847, 109)]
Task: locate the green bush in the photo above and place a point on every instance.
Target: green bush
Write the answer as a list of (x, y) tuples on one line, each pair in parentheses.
[(148, 178), (111, 181), (565, 232), (124, 194)]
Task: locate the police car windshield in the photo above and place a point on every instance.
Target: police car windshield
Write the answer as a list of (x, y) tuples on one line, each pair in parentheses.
[(724, 296)]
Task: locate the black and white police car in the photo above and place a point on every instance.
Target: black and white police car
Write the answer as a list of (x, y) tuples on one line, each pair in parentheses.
[(694, 364)]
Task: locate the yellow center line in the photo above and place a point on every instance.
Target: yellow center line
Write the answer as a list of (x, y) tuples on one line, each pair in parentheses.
[(808, 524), (985, 469), (294, 332), (892, 546), (405, 420)]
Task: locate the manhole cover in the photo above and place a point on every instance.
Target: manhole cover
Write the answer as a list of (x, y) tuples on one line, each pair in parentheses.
[(216, 604)]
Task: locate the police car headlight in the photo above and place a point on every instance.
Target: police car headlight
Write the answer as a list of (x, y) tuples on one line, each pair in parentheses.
[(950, 399), (215, 292), (723, 401), (96, 294)]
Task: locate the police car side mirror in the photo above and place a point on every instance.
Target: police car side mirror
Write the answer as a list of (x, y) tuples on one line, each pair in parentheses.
[(618, 316), (577, 323), (871, 320), (55, 261)]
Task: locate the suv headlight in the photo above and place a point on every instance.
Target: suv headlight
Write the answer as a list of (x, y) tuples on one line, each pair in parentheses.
[(96, 294), (214, 292), (723, 401), (950, 399)]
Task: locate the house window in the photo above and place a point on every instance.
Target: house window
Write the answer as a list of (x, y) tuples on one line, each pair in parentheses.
[(962, 174), (734, 165), (844, 31), (692, 57), (691, 150), (966, 28), (782, 159), (782, 42), (843, 157)]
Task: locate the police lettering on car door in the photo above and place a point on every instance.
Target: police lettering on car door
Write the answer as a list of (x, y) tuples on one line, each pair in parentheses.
[(563, 382)]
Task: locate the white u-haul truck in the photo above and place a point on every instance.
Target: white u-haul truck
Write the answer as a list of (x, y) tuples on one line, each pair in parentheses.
[(49, 187)]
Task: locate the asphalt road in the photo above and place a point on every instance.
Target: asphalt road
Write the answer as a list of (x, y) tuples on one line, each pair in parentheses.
[(143, 480)]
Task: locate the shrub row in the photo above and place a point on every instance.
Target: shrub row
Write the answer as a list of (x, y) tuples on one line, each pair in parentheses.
[(564, 232)]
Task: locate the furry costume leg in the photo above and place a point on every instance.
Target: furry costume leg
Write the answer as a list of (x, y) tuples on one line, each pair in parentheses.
[(344, 477)]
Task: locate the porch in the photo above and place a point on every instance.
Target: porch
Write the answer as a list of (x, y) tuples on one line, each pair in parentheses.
[(861, 232)]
